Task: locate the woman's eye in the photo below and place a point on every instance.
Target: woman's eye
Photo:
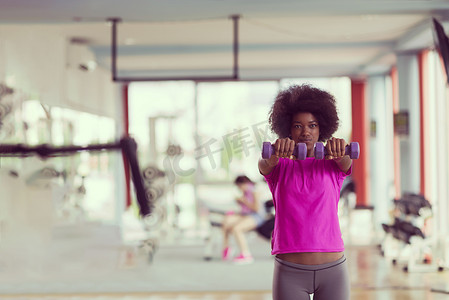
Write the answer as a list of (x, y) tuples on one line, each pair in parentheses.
[(312, 125)]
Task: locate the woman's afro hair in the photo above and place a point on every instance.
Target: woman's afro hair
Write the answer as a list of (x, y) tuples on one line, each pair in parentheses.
[(304, 98)]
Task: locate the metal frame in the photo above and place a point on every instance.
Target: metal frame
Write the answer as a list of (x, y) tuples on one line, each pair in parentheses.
[(127, 145), (233, 77)]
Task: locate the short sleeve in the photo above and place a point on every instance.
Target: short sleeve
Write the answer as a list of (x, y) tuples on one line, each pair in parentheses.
[(340, 175), (273, 177), (349, 172)]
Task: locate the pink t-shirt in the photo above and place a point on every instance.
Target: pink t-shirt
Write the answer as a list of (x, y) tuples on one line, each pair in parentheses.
[(305, 195), (249, 195)]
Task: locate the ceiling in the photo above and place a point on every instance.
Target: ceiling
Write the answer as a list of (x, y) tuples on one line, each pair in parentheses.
[(284, 38)]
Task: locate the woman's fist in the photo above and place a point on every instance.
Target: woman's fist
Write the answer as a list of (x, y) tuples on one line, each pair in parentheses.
[(335, 148), (281, 148)]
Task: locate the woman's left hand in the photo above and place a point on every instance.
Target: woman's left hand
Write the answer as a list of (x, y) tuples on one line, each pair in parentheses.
[(335, 148)]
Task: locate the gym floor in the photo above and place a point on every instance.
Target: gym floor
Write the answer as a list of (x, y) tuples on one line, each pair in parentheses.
[(372, 278), (87, 265)]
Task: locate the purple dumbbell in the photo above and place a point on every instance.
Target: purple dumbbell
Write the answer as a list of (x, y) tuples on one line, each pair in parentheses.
[(353, 150), (300, 150)]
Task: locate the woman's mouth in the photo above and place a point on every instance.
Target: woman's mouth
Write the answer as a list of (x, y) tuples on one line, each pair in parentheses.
[(305, 141)]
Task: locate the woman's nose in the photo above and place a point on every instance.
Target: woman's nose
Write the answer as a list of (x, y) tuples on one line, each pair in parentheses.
[(305, 131)]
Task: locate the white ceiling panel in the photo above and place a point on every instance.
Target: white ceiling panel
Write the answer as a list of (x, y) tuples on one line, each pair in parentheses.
[(189, 37)]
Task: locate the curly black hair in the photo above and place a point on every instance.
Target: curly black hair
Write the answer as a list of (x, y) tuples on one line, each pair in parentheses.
[(304, 98)]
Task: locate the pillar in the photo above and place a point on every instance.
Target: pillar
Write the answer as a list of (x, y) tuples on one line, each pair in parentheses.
[(410, 148), (396, 143), (360, 134), (425, 164)]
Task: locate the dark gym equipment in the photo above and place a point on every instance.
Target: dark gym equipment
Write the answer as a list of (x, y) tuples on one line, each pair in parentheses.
[(266, 228), (5, 109), (403, 230), (152, 173), (412, 204), (441, 41), (409, 205), (5, 90), (174, 150), (413, 209), (126, 144)]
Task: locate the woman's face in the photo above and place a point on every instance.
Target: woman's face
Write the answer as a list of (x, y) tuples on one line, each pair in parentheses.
[(305, 129)]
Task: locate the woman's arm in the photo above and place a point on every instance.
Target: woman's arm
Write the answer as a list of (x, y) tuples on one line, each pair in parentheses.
[(265, 167), (282, 148), (344, 163)]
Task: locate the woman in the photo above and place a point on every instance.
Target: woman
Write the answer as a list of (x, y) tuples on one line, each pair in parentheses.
[(306, 240), (238, 224)]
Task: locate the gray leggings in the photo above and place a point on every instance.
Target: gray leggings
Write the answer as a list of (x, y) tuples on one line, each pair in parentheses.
[(296, 282)]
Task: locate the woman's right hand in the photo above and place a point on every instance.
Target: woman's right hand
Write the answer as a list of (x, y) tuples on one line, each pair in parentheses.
[(282, 148)]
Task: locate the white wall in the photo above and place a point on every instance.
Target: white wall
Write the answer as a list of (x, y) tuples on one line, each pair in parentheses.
[(40, 61)]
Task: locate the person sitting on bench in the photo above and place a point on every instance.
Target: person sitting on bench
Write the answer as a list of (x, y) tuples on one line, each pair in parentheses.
[(237, 224)]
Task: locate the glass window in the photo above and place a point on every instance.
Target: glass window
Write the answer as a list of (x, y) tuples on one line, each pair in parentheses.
[(219, 127), (233, 123), (85, 189), (162, 121)]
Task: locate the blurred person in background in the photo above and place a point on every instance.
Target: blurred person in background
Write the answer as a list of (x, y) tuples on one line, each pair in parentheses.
[(237, 224)]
